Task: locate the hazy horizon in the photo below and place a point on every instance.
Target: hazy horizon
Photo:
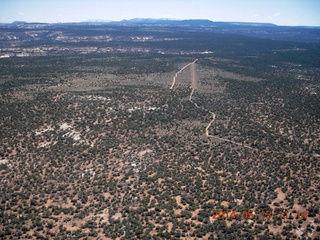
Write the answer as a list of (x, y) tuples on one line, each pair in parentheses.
[(279, 12)]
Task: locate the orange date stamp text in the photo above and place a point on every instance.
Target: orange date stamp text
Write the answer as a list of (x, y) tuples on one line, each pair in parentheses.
[(263, 215)]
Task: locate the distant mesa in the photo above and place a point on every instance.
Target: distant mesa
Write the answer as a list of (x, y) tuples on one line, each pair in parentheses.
[(188, 23), (19, 22), (161, 22)]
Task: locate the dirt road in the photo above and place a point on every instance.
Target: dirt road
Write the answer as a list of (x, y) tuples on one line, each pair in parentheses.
[(174, 78), (194, 86)]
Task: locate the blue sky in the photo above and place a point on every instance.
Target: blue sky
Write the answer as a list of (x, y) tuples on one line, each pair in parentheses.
[(281, 12)]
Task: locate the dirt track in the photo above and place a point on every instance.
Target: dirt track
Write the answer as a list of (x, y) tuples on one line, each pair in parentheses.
[(194, 87), (174, 78)]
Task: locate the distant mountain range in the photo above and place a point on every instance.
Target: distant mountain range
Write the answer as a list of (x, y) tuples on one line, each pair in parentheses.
[(260, 30), (161, 22), (179, 23)]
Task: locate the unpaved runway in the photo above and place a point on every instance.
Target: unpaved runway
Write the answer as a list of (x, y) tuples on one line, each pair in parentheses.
[(174, 78), (194, 86)]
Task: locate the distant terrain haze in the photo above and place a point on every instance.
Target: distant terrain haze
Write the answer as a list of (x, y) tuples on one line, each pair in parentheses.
[(280, 12)]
